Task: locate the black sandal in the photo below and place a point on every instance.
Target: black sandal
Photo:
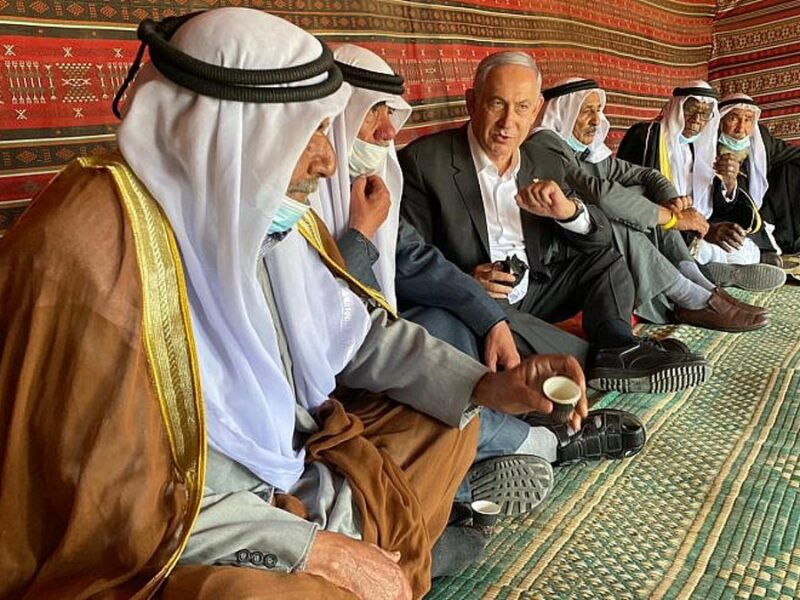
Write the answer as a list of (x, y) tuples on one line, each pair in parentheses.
[(606, 433)]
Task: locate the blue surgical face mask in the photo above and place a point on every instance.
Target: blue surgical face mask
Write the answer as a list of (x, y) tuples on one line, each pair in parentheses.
[(366, 158), (684, 140), (733, 143), (288, 214), (576, 144)]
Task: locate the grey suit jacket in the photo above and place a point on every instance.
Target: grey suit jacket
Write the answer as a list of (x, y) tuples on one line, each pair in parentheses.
[(627, 193), (424, 278), (238, 524), (442, 199)]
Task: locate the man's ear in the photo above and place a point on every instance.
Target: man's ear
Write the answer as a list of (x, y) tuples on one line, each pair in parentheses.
[(471, 101)]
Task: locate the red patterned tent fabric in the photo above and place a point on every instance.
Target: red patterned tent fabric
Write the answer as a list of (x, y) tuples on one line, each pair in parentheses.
[(757, 52), (62, 60)]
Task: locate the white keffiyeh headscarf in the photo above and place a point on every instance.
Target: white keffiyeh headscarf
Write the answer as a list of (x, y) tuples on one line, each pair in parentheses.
[(705, 148), (333, 200), (757, 175), (219, 170), (560, 113)]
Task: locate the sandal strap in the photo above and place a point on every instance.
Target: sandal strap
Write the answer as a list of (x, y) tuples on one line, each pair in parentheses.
[(609, 438)]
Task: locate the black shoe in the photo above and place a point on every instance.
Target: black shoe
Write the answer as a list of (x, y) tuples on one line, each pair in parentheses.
[(771, 258), (457, 548), (644, 367), (460, 514), (667, 344), (517, 482), (606, 433)]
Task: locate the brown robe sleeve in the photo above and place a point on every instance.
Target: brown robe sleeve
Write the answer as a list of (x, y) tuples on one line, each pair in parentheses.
[(90, 501)]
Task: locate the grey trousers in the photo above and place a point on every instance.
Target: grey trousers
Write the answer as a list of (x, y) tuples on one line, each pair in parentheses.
[(652, 258)]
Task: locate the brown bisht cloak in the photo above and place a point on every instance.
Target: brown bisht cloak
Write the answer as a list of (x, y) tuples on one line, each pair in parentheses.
[(102, 436)]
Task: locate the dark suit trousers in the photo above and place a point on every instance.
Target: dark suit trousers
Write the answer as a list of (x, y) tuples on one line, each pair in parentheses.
[(599, 284)]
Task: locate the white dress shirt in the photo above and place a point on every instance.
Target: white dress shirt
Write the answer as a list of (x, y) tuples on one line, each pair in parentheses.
[(503, 221)]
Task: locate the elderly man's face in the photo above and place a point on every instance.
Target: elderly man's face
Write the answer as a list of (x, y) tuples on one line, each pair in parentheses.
[(738, 123), (695, 116), (588, 119), (317, 160), (503, 111), (377, 127)]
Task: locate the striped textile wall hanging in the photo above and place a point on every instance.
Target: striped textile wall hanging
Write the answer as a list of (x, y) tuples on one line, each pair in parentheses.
[(62, 60), (757, 52)]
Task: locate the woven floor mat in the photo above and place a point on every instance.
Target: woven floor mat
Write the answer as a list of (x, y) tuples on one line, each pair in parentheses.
[(709, 509)]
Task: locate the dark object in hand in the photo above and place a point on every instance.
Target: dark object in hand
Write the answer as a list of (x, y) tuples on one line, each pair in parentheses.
[(514, 265)]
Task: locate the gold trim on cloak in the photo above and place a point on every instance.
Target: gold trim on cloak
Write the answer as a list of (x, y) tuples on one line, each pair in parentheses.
[(666, 170), (316, 233), (168, 339)]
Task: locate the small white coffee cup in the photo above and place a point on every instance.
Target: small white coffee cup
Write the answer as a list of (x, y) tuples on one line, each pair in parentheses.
[(484, 515), (563, 393)]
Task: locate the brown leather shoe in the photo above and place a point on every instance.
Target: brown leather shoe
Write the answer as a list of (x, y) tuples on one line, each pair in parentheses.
[(721, 315), (752, 308)]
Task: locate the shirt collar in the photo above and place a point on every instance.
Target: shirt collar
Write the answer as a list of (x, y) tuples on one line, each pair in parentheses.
[(483, 162)]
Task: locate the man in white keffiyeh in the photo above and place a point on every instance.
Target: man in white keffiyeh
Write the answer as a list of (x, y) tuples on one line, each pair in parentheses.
[(279, 323), (645, 210), (682, 144)]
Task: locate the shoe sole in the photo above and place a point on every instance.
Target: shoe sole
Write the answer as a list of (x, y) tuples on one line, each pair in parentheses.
[(672, 379), (518, 483), (753, 278), (754, 327)]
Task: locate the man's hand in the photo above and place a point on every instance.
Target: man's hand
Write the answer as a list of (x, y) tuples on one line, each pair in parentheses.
[(545, 199), (519, 390), (493, 280), (691, 220), (728, 236), (500, 349), (359, 567), (728, 168), (678, 204), (369, 204)]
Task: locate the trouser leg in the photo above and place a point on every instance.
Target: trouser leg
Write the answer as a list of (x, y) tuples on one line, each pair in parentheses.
[(598, 283), (444, 325), (673, 246), (652, 272)]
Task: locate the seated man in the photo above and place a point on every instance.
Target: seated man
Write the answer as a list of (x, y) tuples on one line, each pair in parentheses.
[(768, 172), (390, 256), (463, 192), (147, 311), (681, 143), (645, 210)]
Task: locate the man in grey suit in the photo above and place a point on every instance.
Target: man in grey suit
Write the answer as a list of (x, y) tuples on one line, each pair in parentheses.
[(463, 192), (645, 210), (384, 251)]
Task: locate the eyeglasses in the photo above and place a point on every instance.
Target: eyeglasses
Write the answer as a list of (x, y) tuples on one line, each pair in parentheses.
[(702, 116)]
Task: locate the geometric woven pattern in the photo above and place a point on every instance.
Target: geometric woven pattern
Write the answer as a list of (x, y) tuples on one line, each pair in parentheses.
[(757, 51), (62, 60), (709, 509)]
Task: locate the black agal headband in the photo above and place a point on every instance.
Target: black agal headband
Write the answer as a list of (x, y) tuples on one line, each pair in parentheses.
[(371, 80), (732, 101), (569, 88), (695, 91), (239, 85)]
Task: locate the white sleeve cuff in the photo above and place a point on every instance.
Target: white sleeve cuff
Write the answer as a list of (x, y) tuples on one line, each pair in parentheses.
[(582, 225)]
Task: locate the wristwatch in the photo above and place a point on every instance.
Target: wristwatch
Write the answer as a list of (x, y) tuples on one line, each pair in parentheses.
[(580, 208)]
